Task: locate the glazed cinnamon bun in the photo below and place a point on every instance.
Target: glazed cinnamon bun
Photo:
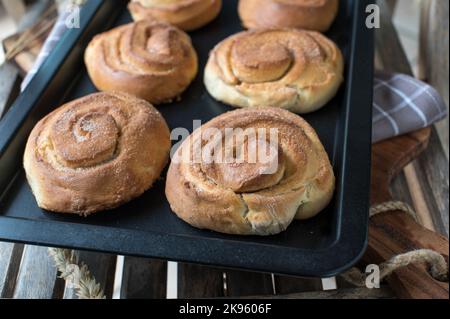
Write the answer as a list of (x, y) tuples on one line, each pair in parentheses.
[(151, 60), (216, 182), (292, 69), (96, 153)]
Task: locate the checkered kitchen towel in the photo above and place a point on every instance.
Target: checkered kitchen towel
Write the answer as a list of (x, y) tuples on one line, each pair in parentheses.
[(403, 104)]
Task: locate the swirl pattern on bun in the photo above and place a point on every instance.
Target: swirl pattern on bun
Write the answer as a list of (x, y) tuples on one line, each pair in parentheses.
[(96, 153), (250, 197), (151, 60), (292, 69)]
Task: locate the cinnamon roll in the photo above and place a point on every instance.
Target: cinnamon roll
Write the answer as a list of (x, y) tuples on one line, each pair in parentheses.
[(316, 15), (152, 60), (187, 15), (292, 69), (96, 153), (290, 177)]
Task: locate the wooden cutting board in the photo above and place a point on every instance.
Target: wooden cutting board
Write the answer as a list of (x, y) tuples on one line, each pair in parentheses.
[(396, 232)]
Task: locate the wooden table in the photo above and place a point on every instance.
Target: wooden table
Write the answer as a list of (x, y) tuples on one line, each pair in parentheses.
[(29, 272)]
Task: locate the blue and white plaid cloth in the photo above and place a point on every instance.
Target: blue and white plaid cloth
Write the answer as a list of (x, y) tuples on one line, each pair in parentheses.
[(403, 104)]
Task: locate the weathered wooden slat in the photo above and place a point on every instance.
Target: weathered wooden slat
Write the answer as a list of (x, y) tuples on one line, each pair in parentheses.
[(433, 46), (388, 45), (434, 55), (244, 283), (195, 281), (59, 289), (356, 293), (10, 256), (342, 283), (290, 285), (6, 252), (37, 275), (400, 191), (432, 171), (392, 58), (392, 5), (432, 166), (101, 266), (143, 279)]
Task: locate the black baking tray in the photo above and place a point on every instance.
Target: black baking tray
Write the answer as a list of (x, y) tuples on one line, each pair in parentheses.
[(320, 247)]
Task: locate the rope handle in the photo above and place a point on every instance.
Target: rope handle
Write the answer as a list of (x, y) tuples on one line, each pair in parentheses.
[(437, 263), (392, 206), (438, 266)]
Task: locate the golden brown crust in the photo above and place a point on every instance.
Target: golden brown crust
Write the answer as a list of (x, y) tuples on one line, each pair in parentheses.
[(287, 68), (237, 198), (316, 15), (152, 60), (96, 153), (187, 15)]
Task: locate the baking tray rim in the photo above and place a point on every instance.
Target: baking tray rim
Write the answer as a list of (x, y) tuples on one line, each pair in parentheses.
[(228, 257), (318, 264)]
